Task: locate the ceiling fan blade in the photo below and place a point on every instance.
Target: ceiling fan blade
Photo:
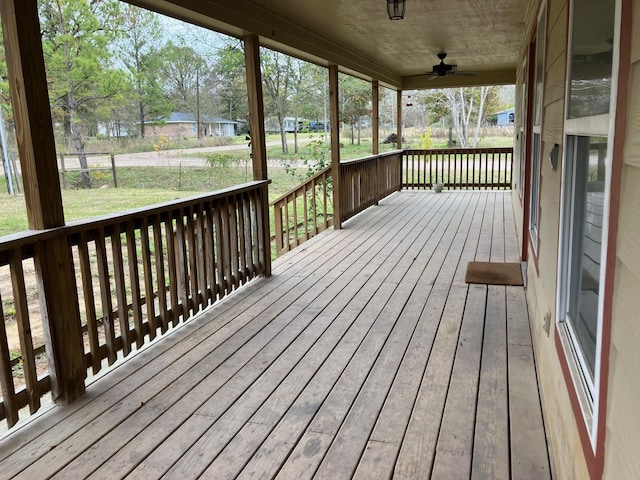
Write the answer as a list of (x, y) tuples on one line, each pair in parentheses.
[(419, 75)]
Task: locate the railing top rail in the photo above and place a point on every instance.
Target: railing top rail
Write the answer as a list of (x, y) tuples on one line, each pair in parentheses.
[(28, 237), (460, 150), (371, 157), (301, 185)]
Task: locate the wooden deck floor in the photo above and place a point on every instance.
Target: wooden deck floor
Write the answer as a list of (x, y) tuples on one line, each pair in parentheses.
[(365, 355)]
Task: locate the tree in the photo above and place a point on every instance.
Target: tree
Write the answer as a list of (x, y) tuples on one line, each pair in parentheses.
[(138, 47), (181, 69), (307, 93), (355, 102), (277, 77), (466, 108), (75, 47), (228, 82)]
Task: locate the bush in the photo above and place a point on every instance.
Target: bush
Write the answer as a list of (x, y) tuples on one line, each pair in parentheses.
[(221, 163), (393, 138), (426, 142)]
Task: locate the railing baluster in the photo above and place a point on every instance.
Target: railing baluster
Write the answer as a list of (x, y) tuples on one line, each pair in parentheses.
[(182, 264), (242, 267), (246, 237), (210, 260), (24, 330), (172, 258), (121, 295), (134, 279), (255, 231), (160, 274), (89, 301), (199, 234), (234, 241), (105, 296), (149, 291), (219, 241), (6, 375), (191, 264)]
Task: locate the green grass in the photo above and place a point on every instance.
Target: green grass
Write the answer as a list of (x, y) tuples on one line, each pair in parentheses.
[(137, 187)]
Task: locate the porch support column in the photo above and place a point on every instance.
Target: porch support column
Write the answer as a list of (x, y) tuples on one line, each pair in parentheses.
[(256, 127), (375, 116), (334, 113), (36, 145), (399, 117)]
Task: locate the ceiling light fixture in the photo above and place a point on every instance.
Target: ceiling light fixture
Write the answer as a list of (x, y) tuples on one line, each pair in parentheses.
[(395, 9)]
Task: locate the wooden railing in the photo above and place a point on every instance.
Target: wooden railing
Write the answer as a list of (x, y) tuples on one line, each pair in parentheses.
[(307, 210), (458, 168), (303, 212), (366, 181), (137, 274)]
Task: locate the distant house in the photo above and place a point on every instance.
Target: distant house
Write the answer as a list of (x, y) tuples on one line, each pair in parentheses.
[(184, 125), (505, 118), (271, 124)]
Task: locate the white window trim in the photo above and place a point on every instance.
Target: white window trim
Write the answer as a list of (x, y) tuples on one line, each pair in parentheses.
[(597, 125)]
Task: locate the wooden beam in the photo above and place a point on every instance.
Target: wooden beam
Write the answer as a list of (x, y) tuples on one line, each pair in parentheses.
[(256, 106), (61, 320), (32, 114), (36, 145), (399, 118), (334, 113), (256, 127), (375, 116)]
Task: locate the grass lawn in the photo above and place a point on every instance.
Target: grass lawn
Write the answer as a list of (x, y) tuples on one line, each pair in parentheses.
[(138, 186)]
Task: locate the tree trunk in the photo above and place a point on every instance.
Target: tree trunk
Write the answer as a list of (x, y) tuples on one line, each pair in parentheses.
[(295, 136), (142, 132), (82, 155), (283, 135), (483, 96), (76, 135)]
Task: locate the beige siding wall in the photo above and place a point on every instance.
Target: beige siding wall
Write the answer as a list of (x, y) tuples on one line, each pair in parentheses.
[(515, 176), (622, 447), (541, 289)]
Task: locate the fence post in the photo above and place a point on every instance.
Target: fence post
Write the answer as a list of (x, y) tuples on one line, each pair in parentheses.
[(64, 172), (113, 169)]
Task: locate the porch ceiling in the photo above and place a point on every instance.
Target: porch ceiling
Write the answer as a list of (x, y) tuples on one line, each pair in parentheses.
[(484, 37)]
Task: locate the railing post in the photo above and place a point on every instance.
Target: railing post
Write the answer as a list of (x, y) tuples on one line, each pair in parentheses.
[(256, 125), (335, 146), (375, 117), (399, 119), (53, 261)]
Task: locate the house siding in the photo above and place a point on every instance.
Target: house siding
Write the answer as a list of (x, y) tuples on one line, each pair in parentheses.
[(623, 417), (622, 442), (562, 429)]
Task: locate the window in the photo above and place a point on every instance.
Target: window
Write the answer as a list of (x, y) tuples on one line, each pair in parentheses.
[(534, 204), (522, 138), (585, 196)]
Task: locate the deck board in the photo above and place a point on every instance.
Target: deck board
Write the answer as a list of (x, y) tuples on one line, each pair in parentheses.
[(365, 355)]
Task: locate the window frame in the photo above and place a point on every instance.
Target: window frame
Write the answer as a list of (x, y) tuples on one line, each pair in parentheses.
[(587, 390), (539, 65)]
